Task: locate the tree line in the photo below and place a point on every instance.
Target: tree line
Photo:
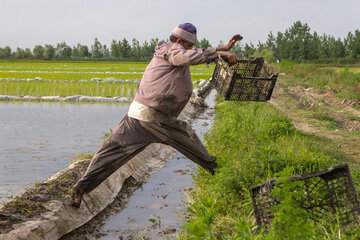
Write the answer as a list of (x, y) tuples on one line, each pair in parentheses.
[(296, 43)]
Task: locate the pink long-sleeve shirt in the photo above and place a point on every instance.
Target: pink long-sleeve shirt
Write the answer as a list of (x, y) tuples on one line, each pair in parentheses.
[(166, 84)]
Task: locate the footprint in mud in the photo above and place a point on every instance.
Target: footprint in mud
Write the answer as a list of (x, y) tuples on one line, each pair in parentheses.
[(182, 171), (205, 124), (130, 220), (186, 189), (159, 206), (159, 196), (167, 231)]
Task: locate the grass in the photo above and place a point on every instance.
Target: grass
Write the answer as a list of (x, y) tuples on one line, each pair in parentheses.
[(344, 81), (354, 69), (254, 142), (64, 78)]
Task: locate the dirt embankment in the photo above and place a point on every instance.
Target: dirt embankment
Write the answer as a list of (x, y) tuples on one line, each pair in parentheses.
[(323, 114), (33, 202)]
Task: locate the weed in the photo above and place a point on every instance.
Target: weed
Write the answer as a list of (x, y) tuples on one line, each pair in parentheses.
[(155, 223), (290, 221), (107, 134)]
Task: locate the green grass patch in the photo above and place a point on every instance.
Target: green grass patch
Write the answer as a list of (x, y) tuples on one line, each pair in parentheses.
[(254, 142), (345, 80), (354, 69)]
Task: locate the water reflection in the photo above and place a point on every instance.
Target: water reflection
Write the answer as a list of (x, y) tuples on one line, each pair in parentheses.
[(39, 139)]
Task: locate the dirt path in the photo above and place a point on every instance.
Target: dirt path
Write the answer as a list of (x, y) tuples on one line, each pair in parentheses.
[(322, 114)]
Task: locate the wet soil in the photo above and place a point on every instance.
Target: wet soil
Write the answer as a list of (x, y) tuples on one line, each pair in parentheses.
[(33, 202)]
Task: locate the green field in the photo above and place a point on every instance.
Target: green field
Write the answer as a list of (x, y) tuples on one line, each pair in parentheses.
[(343, 80), (354, 69), (255, 141), (77, 78)]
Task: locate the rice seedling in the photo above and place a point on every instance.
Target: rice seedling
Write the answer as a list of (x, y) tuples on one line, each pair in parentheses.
[(41, 78), (38, 89)]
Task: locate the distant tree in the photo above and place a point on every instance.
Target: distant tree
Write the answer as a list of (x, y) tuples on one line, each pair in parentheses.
[(115, 49), (297, 42), (28, 53), (336, 48), (249, 50), (105, 51), (6, 52), (19, 54), (96, 49), (49, 52), (271, 42), (204, 43), (315, 47), (135, 49), (38, 52), (84, 51), (266, 53), (75, 51), (221, 43), (63, 50), (237, 49), (146, 52), (80, 51), (352, 44), (125, 48), (153, 43)]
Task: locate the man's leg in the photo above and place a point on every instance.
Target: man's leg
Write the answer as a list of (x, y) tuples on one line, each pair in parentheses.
[(126, 141), (180, 136)]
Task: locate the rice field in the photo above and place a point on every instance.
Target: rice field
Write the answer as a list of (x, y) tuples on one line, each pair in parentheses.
[(107, 79)]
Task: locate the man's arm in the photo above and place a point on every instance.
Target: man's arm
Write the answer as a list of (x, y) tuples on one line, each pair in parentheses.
[(180, 56), (230, 44), (222, 51)]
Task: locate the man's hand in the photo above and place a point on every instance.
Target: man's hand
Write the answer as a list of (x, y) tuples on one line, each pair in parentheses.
[(232, 59), (231, 43)]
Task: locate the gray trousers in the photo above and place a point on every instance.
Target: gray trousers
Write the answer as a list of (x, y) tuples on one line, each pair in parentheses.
[(131, 136)]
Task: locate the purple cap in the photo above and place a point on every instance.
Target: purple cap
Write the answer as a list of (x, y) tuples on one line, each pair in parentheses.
[(188, 27), (185, 31)]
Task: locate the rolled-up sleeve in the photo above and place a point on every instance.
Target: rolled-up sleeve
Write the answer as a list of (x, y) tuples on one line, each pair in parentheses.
[(179, 56)]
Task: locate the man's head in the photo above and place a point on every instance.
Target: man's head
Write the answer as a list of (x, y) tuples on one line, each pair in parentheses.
[(184, 34)]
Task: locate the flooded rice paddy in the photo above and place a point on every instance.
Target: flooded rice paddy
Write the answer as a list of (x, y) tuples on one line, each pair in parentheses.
[(39, 139)]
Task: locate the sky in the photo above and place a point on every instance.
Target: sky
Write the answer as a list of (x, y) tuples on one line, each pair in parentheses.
[(26, 23)]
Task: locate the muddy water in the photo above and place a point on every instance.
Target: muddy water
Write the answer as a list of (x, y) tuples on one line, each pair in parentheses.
[(153, 210), (39, 139)]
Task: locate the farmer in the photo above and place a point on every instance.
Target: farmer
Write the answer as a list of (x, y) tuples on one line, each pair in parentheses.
[(163, 92)]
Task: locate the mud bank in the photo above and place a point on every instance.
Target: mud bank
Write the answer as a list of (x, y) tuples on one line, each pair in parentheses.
[(44, 212)]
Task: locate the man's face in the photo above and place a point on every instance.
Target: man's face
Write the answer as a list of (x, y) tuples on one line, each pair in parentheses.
[(185, 44)]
